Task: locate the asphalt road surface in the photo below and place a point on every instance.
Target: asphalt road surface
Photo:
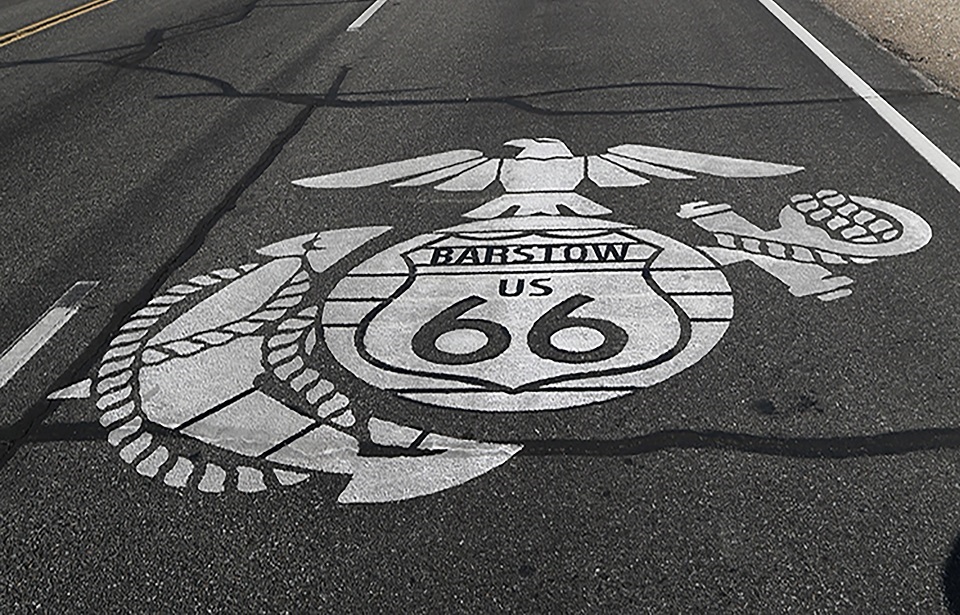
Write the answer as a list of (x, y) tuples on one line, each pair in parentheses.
[(662, 318)]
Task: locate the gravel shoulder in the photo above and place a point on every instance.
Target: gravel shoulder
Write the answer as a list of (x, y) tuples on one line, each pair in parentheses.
[(925, 33)]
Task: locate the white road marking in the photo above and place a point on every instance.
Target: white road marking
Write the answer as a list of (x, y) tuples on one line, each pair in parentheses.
[(250, 480), (917, 140), (287, 478), (390, 171), (212, 481), (698, 162), (180, 473), (545, 165), (367, 14), (828, 227), (79, 390), (553, 315), (544, 174), (514, 314), (45, 328)]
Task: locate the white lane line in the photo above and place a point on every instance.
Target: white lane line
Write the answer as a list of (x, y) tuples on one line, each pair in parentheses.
[(917, 140), (367, 14), (40, 333)]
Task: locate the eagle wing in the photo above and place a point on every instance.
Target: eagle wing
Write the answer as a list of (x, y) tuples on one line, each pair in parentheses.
[(456, 170), (633, 165), (626, 165)]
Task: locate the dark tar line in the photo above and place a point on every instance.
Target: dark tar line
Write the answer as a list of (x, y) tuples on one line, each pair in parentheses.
[(847, 447), (13, 436)]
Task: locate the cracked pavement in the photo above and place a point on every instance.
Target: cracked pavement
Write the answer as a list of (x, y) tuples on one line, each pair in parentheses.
[(808, 463)]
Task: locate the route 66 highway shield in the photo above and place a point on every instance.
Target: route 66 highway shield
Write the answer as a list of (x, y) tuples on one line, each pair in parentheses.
[(526, 314)]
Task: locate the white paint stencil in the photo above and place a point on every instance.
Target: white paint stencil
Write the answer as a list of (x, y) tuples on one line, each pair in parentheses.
[(547, 309), (213, 372), (525, 314), (544, 174), (816, 232)]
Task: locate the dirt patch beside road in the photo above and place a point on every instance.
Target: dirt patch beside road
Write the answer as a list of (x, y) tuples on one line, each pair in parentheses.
[(925, 33)]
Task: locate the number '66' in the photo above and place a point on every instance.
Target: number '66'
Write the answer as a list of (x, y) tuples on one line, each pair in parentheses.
[(498, 337)]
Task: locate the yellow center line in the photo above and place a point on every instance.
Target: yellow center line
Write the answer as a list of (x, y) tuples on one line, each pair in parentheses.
[(49, 22)]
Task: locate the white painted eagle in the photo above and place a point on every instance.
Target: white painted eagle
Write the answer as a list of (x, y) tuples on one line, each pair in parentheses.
[(545, 174)]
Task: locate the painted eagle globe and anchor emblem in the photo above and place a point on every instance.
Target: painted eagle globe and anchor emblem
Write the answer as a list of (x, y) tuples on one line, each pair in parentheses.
[(536, 304)]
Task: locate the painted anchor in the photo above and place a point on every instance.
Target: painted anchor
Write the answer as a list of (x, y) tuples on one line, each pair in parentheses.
[(237, 370)]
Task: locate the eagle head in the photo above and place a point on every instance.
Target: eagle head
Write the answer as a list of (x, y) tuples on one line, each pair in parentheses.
[(540, 149)]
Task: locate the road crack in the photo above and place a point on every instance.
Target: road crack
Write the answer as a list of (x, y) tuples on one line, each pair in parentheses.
[(16, 434)]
